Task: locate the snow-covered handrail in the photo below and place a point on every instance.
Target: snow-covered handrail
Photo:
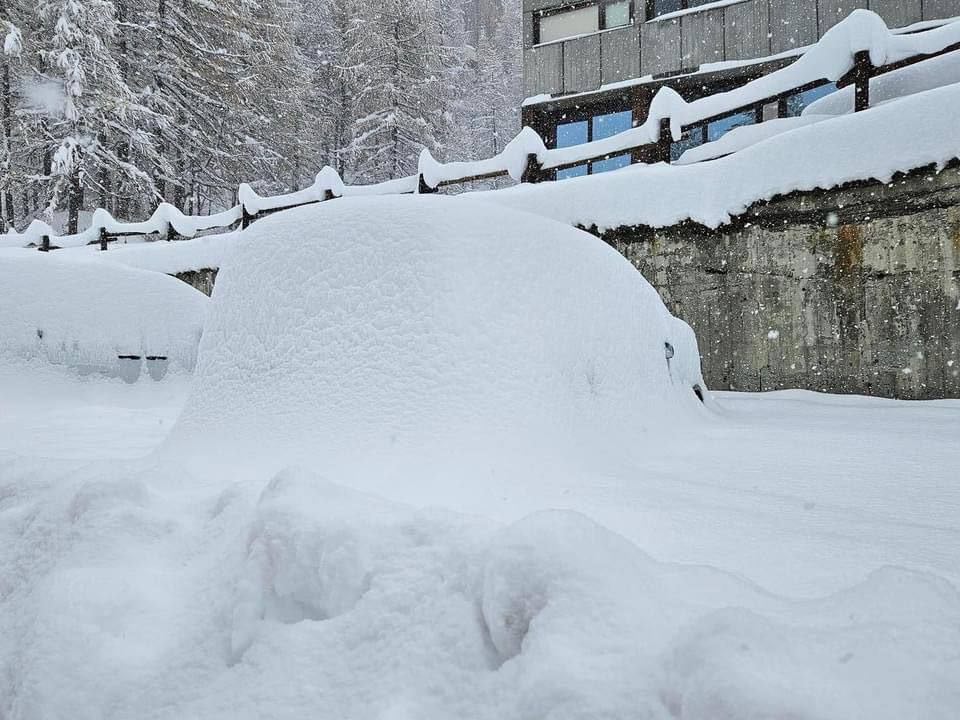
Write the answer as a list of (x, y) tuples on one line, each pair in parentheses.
[(831, 59), (511, 161), (853, 51)]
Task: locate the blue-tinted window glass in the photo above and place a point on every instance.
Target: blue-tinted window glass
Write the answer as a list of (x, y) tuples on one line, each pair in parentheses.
[(578, 171), (718, 129), (614, 163), (568, 135), (605, 126), (797, 103), (571, 134), (691, 139)]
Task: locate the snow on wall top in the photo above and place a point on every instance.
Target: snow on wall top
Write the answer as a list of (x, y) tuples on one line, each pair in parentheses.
[(901, 135), (406, 332), (85, 314)]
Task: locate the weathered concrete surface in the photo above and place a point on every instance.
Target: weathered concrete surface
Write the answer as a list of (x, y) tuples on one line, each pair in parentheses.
[(852, 291), (202, 280)]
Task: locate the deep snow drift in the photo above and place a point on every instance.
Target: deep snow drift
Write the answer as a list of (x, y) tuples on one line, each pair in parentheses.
[(503, 386), (397, 336), (86, 314)]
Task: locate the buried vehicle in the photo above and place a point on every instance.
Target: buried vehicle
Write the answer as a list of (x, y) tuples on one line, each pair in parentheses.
[(394, 336), (97, 317)]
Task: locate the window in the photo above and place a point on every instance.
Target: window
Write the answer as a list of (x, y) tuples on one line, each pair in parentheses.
[(605, 126), (569, 23), (796, 104), (719, 128), (616, 14), (662, 7), (572, 21), (690, 139), (656, 8), (568, 135), (597, 128), (714, 131)]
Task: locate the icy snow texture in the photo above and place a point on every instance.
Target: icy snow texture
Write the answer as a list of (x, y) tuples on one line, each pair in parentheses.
[(377, 333), (85, 314)]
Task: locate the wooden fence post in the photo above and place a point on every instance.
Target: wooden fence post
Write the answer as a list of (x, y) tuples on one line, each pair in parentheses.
[(422, 187), (328, 195), (533, 172), (665, 141), (246, 219), (103, 238), (862, 71), (44, 244), (171, 234), (783, 108)]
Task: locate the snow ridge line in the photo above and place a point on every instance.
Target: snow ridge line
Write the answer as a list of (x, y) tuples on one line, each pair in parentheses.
[(526, 158)]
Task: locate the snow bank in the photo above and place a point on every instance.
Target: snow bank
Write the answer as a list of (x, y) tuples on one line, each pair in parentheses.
[(389, 332), (563, 599), (86, 314), (822, 155), (137, 592)]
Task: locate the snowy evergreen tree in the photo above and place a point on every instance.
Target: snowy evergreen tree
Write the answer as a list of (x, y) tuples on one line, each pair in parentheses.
[(11, 51), (123, 103)]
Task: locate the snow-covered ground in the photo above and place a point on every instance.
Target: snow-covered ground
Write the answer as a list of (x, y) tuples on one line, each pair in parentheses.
[(450, 463), (134, 590)]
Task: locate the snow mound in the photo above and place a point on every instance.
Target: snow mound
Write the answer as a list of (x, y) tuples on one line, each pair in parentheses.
[(137, 591), (376, 335), (87, 314)]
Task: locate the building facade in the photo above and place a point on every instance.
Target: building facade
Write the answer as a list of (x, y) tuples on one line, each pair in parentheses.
[(591, 67)]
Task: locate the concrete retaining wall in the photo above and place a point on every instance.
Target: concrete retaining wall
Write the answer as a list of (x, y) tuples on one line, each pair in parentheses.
[(851, 291), (202, 280)]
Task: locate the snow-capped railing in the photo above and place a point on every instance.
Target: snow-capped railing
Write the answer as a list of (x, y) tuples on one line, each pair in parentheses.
[(852, 53), (857, 49)]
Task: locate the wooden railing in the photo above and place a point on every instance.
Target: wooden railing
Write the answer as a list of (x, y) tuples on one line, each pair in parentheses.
[(844, 56)]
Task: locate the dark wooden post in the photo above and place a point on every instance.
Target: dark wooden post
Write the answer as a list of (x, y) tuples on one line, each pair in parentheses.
[(665, 141), (758, 113), (103, 238), (862, 71), (44, 244), (246, 219), (422, 187), (171, 234), (783, 107), (533, 172), (328, 195)]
